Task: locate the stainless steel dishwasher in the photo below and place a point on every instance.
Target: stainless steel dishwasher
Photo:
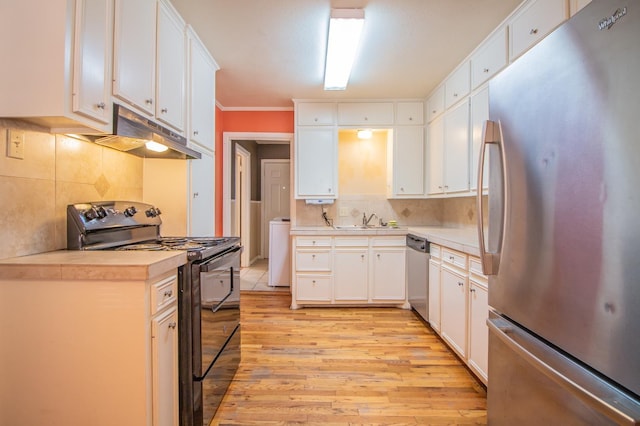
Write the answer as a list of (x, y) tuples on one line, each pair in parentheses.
[(418, 274)]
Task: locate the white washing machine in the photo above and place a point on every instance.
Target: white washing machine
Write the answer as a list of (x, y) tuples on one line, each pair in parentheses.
[(279, 252)]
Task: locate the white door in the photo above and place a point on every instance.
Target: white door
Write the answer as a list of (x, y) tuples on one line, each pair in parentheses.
[(276, 192)]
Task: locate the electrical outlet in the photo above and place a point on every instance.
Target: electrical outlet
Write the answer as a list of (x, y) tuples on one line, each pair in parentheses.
[(344, 211), (15, 143)]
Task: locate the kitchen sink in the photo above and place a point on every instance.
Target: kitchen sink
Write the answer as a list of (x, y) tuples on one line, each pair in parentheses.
[(354, 227)]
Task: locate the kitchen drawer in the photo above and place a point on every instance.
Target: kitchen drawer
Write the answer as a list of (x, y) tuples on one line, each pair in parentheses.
[(316, 261), (489, 59), (351, 241), (409, 113), (475, 267), (313, 287), (164, 293), (457, 86), (313, 241), (395, 241), (316, 114), (534, 22), (454, 258), (365, 114), (435, 250), (435, 104)]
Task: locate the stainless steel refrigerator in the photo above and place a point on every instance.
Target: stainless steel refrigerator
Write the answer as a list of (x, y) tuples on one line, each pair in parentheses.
[(562, 248)]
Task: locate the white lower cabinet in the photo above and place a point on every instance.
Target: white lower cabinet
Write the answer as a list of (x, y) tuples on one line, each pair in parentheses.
[(454, 309), (350, 269), (356, 270), (434, 288), (458, 306), (164, 364), (388, 266), (90, 351)]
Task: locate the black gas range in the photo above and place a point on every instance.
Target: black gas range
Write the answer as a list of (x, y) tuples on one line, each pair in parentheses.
[(208, 297)]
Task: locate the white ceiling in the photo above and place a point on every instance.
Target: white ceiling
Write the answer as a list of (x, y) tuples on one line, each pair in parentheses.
[(271, 51)]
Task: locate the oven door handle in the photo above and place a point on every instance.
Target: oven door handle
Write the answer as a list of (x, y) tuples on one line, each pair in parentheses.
[(217, 262)]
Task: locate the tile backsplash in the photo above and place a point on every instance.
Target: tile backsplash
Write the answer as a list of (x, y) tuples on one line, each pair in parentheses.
[(57, 170)]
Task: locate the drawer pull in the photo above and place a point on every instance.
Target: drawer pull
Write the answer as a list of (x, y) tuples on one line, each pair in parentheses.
[(172, 325), (168, 293)]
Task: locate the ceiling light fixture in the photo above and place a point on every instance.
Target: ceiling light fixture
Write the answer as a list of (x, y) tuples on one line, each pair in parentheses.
[(345, 27), (155, 146), (364, 134)]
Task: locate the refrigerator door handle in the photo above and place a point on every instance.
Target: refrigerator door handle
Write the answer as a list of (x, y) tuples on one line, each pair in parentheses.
[(575, 379), (492, 136)]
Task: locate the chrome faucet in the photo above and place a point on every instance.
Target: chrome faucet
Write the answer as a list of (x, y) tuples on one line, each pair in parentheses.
[(365, 221)]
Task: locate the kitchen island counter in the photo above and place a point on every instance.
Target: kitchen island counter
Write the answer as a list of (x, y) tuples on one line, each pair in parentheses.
[(91, 265)]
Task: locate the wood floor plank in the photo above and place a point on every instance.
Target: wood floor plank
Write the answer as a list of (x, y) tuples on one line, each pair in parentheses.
[(345, 366)]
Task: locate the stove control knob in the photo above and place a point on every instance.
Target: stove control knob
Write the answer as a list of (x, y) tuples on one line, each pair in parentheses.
[(90, 214), (102, 213), (130, 211), (152, 212)]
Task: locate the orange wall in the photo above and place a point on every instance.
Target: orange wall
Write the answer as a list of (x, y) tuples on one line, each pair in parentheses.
[(247, 122)]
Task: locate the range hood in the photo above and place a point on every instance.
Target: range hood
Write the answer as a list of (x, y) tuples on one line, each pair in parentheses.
[(132, 131)]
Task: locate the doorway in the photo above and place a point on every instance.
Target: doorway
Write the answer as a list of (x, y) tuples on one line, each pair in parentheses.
[(276, 195), (254, 224), (242, 210)]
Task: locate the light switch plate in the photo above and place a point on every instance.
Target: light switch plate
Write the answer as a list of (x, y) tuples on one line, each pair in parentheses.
[(15, 143)]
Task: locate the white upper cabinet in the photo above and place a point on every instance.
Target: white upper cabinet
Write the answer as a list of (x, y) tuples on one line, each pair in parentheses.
[(435, 104), (489, 59), (316, 159), (457, 86), (316, 114), (92, 59), (534, 22), (407, 162), (365, 114), (171, 67), (456, 149), (57, 64), (134, 60), (202, 89), (410, 113), (436, 156)]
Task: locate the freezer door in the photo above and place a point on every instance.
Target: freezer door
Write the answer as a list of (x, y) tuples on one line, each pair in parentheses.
[(568, 114), (531, 383)]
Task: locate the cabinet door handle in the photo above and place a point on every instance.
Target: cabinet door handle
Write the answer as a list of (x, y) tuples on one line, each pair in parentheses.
[(472, 290), (168, 293), (101, 105), (533, 31), (172, 325), (163, 110), (195, 133), (460, 284), (486, 70), (148, 101)]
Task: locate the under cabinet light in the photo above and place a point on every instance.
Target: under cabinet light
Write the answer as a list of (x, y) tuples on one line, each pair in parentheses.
[(345, 27), (155, 146)]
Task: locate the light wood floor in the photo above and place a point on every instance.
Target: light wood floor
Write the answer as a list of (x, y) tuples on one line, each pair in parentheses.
[(345, 366)]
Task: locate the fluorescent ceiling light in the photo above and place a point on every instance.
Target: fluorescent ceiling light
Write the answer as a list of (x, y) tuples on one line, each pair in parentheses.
[(345, 28), (155, 146)]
